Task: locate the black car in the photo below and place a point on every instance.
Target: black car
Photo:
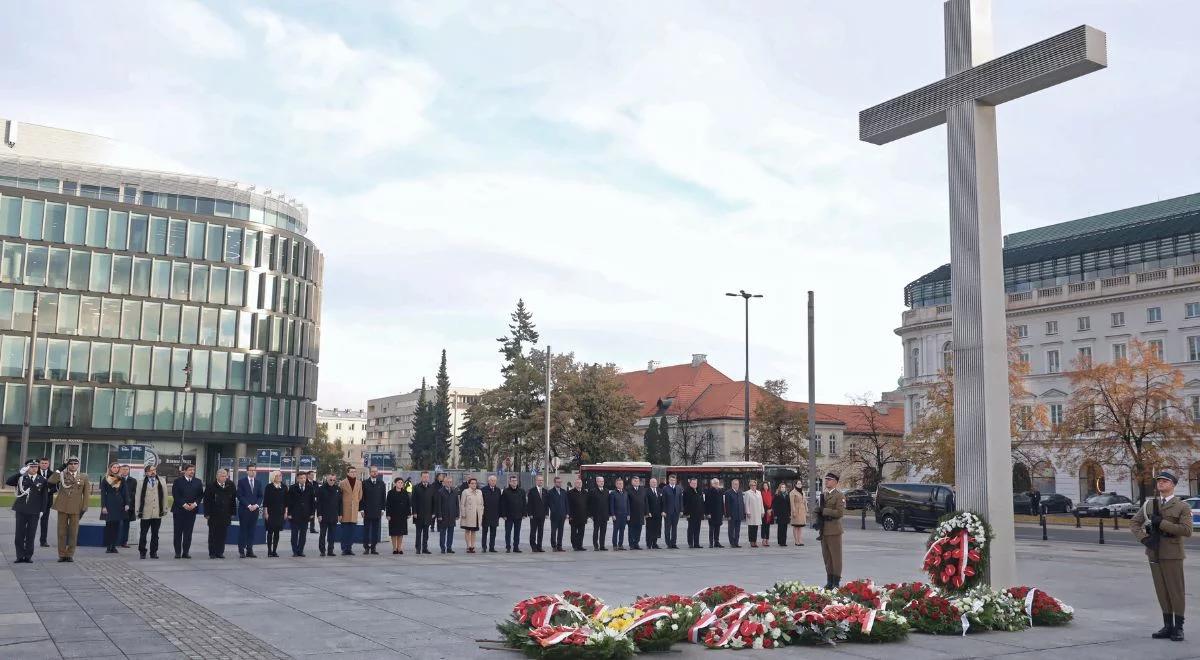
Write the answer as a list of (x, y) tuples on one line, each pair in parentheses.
[(858, 499), (919, 506), (1053, 503), (1106, 505)]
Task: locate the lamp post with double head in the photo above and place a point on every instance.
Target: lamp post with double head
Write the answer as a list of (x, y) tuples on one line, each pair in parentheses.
[(743, 294)]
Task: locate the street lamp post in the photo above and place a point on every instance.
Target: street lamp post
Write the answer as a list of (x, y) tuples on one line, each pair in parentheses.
[(187, 394), (746, 408), (29, 387)]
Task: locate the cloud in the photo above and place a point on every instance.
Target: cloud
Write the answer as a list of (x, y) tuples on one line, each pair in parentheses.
[(194, 28)]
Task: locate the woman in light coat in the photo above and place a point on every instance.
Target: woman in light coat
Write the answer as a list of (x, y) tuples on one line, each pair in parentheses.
[(754, 511), (799, 513), (470, 512)]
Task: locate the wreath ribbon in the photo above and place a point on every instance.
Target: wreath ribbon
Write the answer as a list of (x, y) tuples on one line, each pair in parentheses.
[(652, 615), (734, 622), (557, 637), (1029, 604)]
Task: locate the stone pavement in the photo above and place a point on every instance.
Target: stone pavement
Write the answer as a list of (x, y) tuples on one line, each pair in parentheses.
[(440, 606)]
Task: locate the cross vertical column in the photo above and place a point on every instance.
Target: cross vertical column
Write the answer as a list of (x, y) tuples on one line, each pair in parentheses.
[(982, 462)]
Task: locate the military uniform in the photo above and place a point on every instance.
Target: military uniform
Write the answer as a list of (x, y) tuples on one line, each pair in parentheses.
[(832, 508), (71, 503), (1173, 522)]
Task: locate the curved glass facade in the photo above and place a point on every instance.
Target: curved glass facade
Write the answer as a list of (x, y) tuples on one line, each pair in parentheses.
[(130, 298)]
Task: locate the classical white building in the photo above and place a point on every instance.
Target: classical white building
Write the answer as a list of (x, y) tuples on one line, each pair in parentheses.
[(390, 421), (1087, 287), (346, 426)]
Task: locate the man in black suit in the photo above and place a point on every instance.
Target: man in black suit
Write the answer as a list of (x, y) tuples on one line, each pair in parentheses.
[(672, 504), (598, 510), (512, 509), (714, 510), (693, 508), (187, 492), (654, 511), (374, 496), (577, 505), (422, 507), (556, 501), (637, 512), (491, 514), (220, 500), (536, 506), (329, 512), (51, 489)]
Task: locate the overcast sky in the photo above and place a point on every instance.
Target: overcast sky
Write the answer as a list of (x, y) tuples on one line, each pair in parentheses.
[(620, 165)]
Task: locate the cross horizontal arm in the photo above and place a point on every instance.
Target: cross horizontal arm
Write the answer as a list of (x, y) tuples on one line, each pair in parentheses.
[(1060, 58)]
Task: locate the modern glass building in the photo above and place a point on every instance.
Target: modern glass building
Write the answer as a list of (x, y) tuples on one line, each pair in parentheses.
[(169, 308)]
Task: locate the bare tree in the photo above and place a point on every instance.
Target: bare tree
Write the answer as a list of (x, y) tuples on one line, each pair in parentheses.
[(870, 449)]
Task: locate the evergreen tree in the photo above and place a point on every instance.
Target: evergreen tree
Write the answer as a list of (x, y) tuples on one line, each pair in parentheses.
[(650, 439), (421, 447), (441, 416), (521, 395), (520, 332), (664, 443), (472, 444)]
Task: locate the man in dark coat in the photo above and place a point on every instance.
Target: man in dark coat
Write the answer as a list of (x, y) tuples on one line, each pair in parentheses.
[(51, 489), (313, 484), (654, 511), (735, 512), (512, 509), (300, 511), (187, 493), (129, 488), (219, 506), (637, 512), (535, 506), (446, 508), (714, 510), (618, 508), (422, 505), (374, 497), (32, 487), (556, 501), (672, 506), (250, 497), (598, 510), (693, 508), (329, 513), (577, 509), (491, 514)]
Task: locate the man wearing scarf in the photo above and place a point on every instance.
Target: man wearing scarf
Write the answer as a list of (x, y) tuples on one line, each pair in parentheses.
[(71, 503), (32, 491), (150, 505)]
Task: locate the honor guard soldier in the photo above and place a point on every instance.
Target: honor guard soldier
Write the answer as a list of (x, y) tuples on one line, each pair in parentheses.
[(829, 514), (32, 491), (1161, 525)]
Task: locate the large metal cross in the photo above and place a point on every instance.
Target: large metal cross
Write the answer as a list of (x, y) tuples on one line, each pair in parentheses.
[(965, 101)]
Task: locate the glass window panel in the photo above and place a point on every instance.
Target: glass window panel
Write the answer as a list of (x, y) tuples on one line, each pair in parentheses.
[(179, 281), (101, 272), (204, 205), (102, 409), (256, 373), (14, 403), (131, 319), (257, 413), (151, 316), (176, 237), (60, 406), (218, 281), (23, 310), (39, 359), (164, 411), (160, 368), (35, 265), (121, 356), (56, 368), (80, 352), (140, 284), (76, 224), (40, 410), (68, 314), (144, 410), (218, 370), (276, 333), (158, 235), (81, 412), (56, 222), (228, 326), (118, 230), (97, 231), (121, 274), (140, 374), (101, 351), (12, 264), (199, 283), (271, 425), (195, 240), (243, 338), (183, 409), (138, 226), (237, 284), (241, 408), (215, 243), (179, 359), (160, 279), (208, 326), (200, 369), (89, 316), (81, 269), (170, 323), (189, 325), (250, 249), (60, 261), (10, 216), (268, 292), (123, 409), (47, 312), (33, 214), (6, 308), (233, 245), (237, 371), (202, 415), (110, 318), (252, 294), (12, 356), (222, 410)]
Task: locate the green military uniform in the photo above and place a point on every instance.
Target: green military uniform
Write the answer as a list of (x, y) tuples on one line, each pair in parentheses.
[(70, 503), (1166, 561), (832, 508)]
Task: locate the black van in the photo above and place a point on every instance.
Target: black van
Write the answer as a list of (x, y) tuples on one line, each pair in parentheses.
[(917, 506)]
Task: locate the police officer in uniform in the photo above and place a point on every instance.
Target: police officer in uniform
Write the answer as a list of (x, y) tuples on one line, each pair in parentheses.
[(832, 508), (1161, 525)]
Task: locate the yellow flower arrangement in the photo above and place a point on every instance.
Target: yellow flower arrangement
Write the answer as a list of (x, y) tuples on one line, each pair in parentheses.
[(618, 619)]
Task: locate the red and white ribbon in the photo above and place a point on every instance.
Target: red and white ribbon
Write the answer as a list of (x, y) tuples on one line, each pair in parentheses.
[(731, 602), (962, 547), (1029, 605), (870, 622), (733, 622), (697, 629), (557, 637), (936, 546), (966, 624), (542, 617), (652, 615)]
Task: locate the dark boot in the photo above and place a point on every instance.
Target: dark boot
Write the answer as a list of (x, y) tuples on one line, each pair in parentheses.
[(837, 581), (828, 580), (1176, 633), (1168, 627)]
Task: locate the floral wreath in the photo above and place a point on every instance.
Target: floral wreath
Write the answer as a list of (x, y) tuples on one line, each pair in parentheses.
[(957, 554)]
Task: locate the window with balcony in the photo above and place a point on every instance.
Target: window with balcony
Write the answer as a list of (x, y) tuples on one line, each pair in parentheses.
[(1154, 315), (1118, 319), (1052, 362), (1085, 323), (1052, 327)]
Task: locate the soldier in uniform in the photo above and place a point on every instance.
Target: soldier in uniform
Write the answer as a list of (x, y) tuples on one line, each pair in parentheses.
[(32, 491), (831, 509), (71, 502), (1161, 524)]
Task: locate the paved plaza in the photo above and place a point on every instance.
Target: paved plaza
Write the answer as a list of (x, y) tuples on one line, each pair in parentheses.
[(440, 606)]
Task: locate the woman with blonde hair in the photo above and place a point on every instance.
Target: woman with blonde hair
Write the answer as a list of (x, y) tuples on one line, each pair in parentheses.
[(470, 512), (799, 513), (274, 511)]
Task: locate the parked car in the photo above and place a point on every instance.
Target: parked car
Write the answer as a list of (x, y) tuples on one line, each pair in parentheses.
[(900, 505), (858, 499), (1053, 502), (1106, 505), (1194, 502)]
